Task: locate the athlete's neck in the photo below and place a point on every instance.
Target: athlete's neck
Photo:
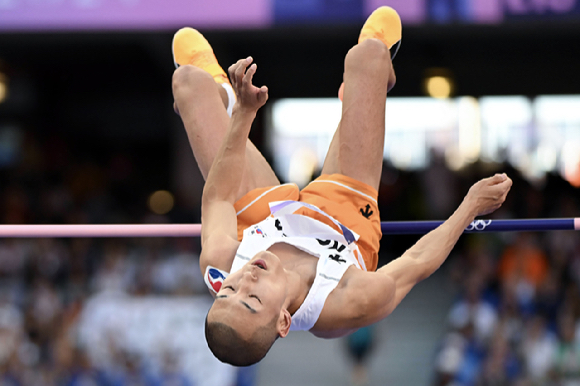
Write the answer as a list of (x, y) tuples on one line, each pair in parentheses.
[(300, 268)]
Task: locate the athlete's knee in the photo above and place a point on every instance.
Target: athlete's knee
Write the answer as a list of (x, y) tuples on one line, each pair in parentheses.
[(190, 77), (370, 55)]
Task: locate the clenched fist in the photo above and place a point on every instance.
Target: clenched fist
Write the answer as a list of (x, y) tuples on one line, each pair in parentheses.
[(489, 194)]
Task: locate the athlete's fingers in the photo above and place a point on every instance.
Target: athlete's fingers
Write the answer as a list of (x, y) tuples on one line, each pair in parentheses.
[(232, 72), (233, 67), (241, 69), (263, 94), (247, 80), (501, 191), (507, 190), (496, 191), (504, 186), (237, 69), (498, 178)]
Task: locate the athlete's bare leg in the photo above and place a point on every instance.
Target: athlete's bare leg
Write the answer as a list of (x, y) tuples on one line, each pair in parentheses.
[(357, 146), (201, 105)]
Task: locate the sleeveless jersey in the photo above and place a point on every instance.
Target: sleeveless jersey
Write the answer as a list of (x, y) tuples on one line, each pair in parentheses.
[(335, 252)]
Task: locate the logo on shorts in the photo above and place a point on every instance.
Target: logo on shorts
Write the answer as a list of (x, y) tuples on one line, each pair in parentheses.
[(367, 212)]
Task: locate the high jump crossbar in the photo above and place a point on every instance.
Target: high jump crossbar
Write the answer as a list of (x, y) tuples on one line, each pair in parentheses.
[(194, 230)]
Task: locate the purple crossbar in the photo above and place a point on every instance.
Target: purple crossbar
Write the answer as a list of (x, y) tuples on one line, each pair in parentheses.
[(194, 230), (539, 225)]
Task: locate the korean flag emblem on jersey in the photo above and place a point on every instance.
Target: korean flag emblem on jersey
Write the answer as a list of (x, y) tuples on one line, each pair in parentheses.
[(214, 278)]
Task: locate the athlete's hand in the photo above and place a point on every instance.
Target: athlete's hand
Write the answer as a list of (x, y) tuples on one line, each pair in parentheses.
[(249, 97), (489, 194)]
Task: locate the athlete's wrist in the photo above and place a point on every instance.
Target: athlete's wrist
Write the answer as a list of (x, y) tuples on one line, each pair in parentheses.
[(244, 111), (468, 208)]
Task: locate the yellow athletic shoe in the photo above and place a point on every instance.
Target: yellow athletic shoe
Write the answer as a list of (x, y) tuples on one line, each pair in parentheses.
[(190, 47), (384, 24)]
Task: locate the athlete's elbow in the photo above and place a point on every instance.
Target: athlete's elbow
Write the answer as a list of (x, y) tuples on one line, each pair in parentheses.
[(427, 268), (213, 193), (423, 265)]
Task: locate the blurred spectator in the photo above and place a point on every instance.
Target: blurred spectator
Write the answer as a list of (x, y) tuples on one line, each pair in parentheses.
[(359, 345), (177, 271), (170, 373), (524, 264), (538, 349), (126, 371), (549, 297), (116, 273), (566, 366), (501, 367), (460, 358), (11, 322), (81, 372), (473, 310)]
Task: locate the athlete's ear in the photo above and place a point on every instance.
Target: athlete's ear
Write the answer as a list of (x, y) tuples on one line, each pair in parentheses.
[(284, 322)]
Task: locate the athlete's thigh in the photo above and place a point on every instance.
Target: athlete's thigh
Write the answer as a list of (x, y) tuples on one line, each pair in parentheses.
[(206, 122), (357, 147), (331, 162)]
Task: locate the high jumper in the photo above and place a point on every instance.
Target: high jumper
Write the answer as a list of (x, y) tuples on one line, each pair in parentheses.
[(278, 258)]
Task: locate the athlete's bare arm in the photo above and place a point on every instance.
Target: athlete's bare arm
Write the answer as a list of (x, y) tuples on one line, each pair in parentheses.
[(367, 297), (218, 216)]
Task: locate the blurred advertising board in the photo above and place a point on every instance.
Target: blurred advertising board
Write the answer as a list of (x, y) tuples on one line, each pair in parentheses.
[(63, 15), (524, 10), (132, 14)]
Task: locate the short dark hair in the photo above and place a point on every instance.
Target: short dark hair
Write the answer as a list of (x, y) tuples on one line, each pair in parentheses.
[(228, 346)]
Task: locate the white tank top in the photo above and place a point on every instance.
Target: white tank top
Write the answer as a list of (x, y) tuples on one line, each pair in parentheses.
[(336, 252)]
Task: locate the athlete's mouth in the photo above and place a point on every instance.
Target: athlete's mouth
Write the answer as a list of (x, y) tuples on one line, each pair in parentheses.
[(260, 264)]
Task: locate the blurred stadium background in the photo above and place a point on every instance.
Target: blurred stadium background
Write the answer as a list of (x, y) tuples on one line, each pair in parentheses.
[(88, 135)]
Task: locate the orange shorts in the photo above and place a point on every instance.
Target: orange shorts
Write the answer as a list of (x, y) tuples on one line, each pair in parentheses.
[(352, 203)]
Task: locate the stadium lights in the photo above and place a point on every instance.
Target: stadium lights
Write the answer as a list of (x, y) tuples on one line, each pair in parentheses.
[(161, 202), (438, 83)]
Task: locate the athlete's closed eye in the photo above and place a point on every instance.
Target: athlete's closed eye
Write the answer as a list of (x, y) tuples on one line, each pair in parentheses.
[(222, 289), (232, 288), (254, 296)]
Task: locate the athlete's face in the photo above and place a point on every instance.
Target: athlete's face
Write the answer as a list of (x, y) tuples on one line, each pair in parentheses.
[(252, 296)]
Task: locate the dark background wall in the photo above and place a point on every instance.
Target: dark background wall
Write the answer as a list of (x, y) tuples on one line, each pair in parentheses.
[(111, 91), (118, 84)]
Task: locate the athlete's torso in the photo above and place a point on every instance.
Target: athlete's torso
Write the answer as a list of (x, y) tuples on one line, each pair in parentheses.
[(322, 254), (324, 258)]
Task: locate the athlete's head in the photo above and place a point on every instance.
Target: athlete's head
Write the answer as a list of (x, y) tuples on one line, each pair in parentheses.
[(249, 312)]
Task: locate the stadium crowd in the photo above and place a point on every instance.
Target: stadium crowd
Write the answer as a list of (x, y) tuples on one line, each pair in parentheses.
[(516, 320)]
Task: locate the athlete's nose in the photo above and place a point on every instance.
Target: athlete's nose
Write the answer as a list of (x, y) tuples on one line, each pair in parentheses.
[(246, 283), (249, 275)]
